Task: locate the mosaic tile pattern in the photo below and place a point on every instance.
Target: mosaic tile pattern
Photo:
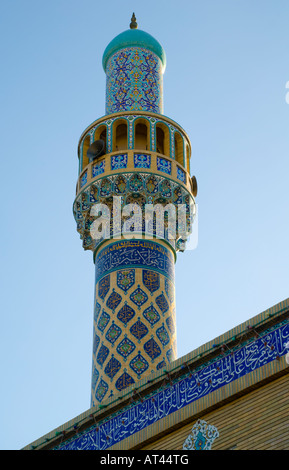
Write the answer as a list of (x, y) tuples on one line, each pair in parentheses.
[(119, 162), (223, 370), (142, 188), (164, 165), (83, 180), (98, 169), (142, 160), (134, 314), (134, 81), (181, 175)]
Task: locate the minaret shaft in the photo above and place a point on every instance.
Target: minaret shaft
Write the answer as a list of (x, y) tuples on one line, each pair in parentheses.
[(132, 159)]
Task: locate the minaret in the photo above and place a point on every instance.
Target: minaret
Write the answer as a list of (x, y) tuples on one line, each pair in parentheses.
[(134, 207)]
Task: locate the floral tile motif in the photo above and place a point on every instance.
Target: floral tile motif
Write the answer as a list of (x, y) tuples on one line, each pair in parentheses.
[(93, 195), (125, 347), (104, 286), (105, 187), (152, 349), (83, 180), (151, 315), (152, 184), (119, 161), (170, 355), (113, 333), (124, 381), (139, 364), (103, 321), (181, 175), (163, 335), (142, 160), (201, 437), (151, 280), (177, 196), (165, 188), (101, 390), (95, 375), (96, 341), (120, 185), (125, 314), (114, 300), (139, 330), (164, 165), (98, 168), (102, 354), (125, 279), (171, 324), (162, 303), (97, 309), (136, 183), (169, 288), (139, 297), (134, 81), (112, 367)]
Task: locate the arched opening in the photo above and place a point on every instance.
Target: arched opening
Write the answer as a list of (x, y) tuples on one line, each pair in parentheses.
[(162, 139), (100, 134), (188, 156), (179, 149), (85, 146), (120, 136), (141, 135)]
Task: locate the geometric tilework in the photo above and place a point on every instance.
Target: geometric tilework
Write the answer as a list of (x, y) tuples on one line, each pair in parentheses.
[(120, 185), (152, 348), (101, 390), (139, 364), (98, 168), (164, 165), (151, 280), (181, 175), (102, 354), (124, 381), (118, 161), (96, 341), (169, 288), (125, 279), (139, 297), (163, 335), (170, 324), (95, 375), (103, 321), (151, 315), (142, 160), (139, 330), (114, 300), (112, 367), (125, 314), (103, 287), (137, 72), (126, 346), (113, 333), (97, 309), (162, 303)]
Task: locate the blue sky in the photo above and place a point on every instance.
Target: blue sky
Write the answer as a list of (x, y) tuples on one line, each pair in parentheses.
[(225, 84)]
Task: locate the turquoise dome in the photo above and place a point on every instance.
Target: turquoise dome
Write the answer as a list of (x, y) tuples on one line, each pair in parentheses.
[(131, 38)]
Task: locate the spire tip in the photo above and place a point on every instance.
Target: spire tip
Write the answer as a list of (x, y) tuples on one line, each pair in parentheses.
[(133, 23)]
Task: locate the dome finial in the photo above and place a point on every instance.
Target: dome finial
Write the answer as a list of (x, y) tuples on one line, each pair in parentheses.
[(133, 24)]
